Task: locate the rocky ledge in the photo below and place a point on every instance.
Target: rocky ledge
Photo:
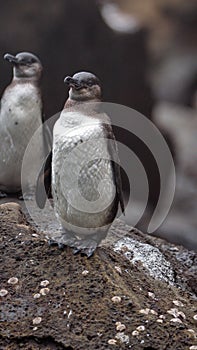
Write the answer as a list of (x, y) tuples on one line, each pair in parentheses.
[(136, 292)]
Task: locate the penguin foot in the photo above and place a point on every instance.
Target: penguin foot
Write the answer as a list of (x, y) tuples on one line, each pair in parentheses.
[(61, 245), (66, 239), (69, 239), (3, 194), (51, 242), (85, 247)]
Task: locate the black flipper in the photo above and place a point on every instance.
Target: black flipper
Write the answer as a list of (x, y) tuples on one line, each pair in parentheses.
[(113, 151), (48, 139), (43, 185)]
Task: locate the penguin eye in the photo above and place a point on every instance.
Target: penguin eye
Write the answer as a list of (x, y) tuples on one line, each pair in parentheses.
[(28, 61), (31, 60), (90, 83)]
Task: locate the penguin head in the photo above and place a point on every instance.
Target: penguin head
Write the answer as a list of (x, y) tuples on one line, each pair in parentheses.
[(26, 65), (84, 86)]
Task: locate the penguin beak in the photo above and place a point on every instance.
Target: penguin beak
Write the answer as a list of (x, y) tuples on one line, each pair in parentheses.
[(74, 83), (10, 58)]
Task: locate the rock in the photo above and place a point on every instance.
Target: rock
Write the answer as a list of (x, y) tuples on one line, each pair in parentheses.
[(149, 257), (79, 312), (13, 212)]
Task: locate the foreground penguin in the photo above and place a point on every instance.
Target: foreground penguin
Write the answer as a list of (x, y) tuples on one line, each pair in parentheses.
[(86, 183), (20, 117)]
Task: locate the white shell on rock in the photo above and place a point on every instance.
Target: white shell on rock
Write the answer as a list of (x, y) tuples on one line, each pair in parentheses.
[(120, 327), (135, 333), (123, 338), (44, 283), (44, 291), (144, 311), (176, 320), (37, 295), (177, 303), (118, 269), (3, 292), (112, 341), (116, 299), (151, 295), (85, 272), (13, 280), (140, 328), (37, 320), (176, 313)]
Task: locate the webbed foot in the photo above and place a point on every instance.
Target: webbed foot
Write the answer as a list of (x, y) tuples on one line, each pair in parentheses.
[(67, 239), (52, 242), (85, 247)]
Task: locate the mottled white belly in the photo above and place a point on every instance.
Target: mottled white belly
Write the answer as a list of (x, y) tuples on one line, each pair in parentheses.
[(82, 175), (20, 117)]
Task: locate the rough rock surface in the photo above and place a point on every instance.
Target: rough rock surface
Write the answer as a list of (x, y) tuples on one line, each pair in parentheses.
[(61, 301)]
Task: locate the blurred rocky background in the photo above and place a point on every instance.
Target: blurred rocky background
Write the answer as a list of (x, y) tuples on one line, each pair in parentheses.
[(145, 54)]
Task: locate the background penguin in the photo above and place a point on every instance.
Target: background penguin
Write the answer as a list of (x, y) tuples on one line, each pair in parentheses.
[(20, 117), (83, 146)]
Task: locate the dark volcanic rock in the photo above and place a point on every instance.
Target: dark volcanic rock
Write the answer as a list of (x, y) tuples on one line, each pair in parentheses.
[(78, 310)]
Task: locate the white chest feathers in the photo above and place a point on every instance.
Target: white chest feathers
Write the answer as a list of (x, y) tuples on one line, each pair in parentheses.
[(18, 100), (82, 174), (20, 117)]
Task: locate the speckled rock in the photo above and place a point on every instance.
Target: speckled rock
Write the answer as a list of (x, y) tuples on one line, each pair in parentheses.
[(78, 313)]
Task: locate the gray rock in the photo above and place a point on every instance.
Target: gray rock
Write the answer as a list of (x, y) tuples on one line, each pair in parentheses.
[(150, 257), (78, 311)]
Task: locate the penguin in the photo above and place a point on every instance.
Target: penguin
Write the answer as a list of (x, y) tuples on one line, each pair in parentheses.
[(84, 156), (20, 116)]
